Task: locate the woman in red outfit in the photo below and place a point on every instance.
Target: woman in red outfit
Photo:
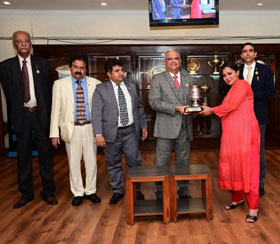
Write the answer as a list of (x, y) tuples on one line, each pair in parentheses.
[(195, 10), (240, 143)]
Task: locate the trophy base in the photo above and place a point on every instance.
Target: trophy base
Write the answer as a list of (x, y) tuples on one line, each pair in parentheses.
[(193, 109)]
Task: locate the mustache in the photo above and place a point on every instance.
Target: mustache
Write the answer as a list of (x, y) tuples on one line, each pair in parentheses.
[(78, 73)]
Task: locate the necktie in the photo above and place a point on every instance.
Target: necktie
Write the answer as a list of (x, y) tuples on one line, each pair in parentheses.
[(176, 82), (25, 79), (249, 75), (122, 106), (80, 104)]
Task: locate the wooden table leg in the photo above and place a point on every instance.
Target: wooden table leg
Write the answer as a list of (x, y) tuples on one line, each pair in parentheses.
[(173, 198), (209, 198), (129, 202), (166, 200)]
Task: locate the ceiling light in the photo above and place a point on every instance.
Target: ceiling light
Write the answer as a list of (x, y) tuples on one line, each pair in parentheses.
[(260, 4), (103, 4), (6, 3)]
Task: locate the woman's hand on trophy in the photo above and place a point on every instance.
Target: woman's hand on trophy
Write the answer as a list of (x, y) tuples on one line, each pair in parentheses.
[(206, 111)]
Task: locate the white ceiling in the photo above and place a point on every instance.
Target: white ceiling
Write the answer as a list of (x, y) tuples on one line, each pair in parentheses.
[(225, 5)]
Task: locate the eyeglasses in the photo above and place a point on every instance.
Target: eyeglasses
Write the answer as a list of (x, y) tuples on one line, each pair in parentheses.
[(173, 59), (22, 41)]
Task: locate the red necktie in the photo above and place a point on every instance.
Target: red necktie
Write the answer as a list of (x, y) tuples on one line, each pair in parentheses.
[(176, 82)]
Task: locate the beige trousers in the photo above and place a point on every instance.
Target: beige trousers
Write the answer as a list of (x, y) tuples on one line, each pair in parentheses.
[(82, 145)]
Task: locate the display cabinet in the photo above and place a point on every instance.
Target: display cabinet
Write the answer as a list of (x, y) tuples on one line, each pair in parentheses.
[(199, 60)]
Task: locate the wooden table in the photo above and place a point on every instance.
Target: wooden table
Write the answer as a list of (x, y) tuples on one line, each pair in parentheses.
[(203, 204), (147, 207)]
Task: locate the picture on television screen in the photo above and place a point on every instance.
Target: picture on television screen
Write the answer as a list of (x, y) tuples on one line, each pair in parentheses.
[(183, 12)]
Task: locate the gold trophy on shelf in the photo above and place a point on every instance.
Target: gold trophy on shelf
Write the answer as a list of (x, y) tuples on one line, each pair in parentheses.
[(195, 97), (193, 65), (204, 89), (215, 64)]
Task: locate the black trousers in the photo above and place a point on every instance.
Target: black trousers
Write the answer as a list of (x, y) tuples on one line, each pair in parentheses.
[(45, 157)]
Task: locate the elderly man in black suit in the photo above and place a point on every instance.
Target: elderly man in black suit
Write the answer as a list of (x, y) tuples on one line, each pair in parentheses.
[(259, 76), (118, 118), (26, 83)]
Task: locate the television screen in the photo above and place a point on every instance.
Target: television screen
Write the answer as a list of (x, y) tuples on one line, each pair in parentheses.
[(183, 12)]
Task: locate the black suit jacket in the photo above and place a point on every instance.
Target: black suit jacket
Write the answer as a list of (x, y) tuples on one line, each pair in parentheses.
[(263, 88), (11, 80)]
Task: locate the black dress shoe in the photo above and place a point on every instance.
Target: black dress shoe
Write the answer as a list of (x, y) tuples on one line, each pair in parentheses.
[(93, 198), (261, 191), (77, 201), (20, 203), (51, 200), (139, 195), (116, 198)]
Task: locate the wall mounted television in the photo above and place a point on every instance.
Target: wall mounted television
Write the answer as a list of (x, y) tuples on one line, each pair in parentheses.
[(183, 12)]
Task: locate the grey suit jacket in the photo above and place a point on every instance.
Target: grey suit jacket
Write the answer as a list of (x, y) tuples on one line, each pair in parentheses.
[(105, 111), (163, 98)]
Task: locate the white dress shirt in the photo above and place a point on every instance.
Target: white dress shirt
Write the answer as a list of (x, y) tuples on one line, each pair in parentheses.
[(245, 71)]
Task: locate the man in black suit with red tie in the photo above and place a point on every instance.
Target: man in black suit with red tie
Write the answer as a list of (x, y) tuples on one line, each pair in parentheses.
[(26, 83), (259, 76)]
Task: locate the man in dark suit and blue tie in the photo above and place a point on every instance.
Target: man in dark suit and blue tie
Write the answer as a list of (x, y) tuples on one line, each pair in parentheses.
[(118, 118), (259, 76), (27, 86)]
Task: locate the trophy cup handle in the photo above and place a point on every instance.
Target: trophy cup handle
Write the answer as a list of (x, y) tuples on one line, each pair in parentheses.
[(209, 63)]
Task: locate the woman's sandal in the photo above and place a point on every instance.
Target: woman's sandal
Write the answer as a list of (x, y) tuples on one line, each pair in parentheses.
[(231, 206), (253, 218)]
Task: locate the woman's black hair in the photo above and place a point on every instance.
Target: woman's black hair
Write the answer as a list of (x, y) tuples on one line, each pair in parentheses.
[(223, 87)]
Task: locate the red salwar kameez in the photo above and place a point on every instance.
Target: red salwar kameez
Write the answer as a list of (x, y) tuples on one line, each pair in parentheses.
[(240, 144)]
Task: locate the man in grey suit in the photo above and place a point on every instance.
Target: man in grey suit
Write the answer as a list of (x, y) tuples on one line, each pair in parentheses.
[(169, 96), (118, 117)]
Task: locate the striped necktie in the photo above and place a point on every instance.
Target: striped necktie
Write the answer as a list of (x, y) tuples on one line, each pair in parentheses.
[(249, 74), (176, 82), (80, 104)]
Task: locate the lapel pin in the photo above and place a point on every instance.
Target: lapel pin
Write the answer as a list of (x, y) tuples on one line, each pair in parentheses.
[(257, 74), (37, 70)]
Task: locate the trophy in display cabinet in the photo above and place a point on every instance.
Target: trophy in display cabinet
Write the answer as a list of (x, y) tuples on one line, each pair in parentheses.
[(204, 89), (193, 65), (195, 97), (239, 62), (215, 64)]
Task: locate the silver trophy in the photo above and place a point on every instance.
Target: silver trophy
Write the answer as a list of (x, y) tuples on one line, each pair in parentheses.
[(195, 97)]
